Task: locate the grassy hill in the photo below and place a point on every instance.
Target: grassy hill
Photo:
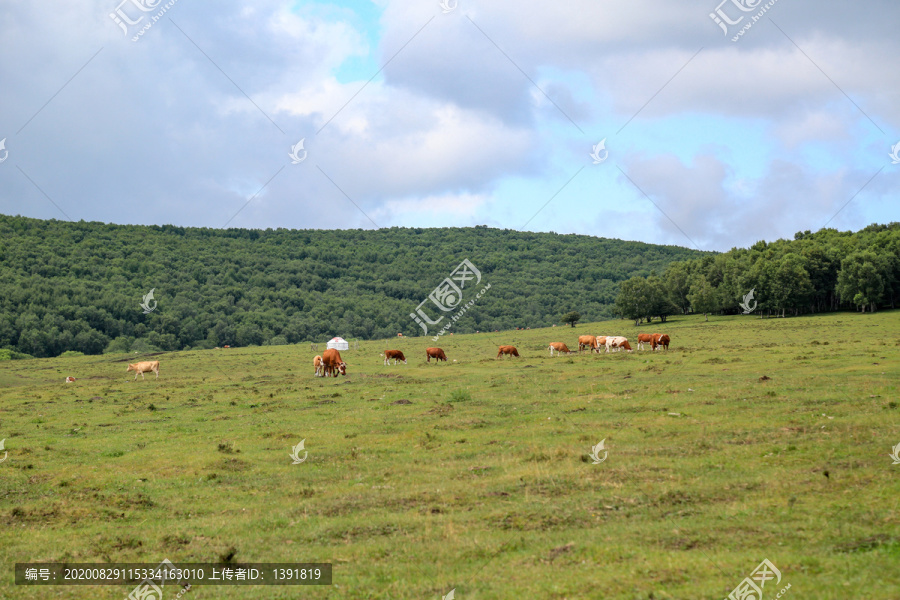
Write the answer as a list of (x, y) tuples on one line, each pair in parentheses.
[(749, 440), (79, 286)]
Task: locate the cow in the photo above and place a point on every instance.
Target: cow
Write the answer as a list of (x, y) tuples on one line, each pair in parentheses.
[(647, 338), (333, 362), (511, 350), (617, 342), (587, 341), (319, 365), (663, 341), (397, 355), (435, 353), (144, 367), (559, 347), (72, 379)]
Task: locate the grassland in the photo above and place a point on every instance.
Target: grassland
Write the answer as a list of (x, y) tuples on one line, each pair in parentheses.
[(749, 439)]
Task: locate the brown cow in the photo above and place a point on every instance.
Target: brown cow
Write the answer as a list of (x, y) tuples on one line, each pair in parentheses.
[(319, 365), (397, 355), (144, 367), (511, 350), (587, 341), (559, 347), (663, 341), (332, 360), (647, 338), (435, 353)]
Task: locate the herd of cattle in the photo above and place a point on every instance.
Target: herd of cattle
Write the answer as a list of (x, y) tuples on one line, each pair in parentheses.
[(330, 362)]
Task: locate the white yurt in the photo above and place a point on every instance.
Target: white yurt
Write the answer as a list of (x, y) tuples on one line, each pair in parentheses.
[(338, 343)]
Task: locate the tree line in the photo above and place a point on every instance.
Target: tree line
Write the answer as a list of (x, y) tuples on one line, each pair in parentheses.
[(815, 272), (79, 286)]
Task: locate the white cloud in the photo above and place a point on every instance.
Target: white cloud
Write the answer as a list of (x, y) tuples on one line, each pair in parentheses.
[(450, 120)]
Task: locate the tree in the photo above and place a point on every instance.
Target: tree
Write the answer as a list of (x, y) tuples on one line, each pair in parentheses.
[(704, 297), (677, 285), (658, 303), (861, 280), (792, 287), (633, 301), (571, 318)]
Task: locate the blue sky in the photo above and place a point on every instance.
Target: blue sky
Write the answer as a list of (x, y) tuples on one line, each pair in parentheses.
[(481, 115)]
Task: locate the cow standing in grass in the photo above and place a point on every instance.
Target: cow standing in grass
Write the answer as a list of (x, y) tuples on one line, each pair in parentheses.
[(587, 341), (559, 347), (435, 353), (647, 338), (510, 350), (662, 341), (397, 355), (319, 365), (617, 343), (144, 367), (333, 363)]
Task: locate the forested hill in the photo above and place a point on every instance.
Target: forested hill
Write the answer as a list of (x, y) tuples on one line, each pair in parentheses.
[(79, 286)]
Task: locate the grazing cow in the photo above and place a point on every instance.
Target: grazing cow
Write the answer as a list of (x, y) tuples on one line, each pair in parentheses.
[(511, 350), (587, 341), (647, 338), (397, 355), (559, 347), (663, 341), (435, 353), (144, 367), (319, 365), (333, 363), (72, 379), (617, 342)]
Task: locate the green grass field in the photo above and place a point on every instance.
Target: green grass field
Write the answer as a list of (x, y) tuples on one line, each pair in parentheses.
[(750, 439)]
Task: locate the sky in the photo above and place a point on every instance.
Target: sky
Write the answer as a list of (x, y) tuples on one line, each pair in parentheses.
[(695, 123)]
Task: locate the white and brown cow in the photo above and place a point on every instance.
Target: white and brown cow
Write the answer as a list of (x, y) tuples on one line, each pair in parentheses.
[(647, 338), (397, 355), (559, 347), (617, 343), (662, 341), (319, 365)]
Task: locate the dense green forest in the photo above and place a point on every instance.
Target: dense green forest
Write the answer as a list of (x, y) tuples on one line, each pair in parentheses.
[(79, 286), (814, 272)]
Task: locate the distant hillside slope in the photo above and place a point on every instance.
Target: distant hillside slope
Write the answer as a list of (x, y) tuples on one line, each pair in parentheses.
[(79, 286)]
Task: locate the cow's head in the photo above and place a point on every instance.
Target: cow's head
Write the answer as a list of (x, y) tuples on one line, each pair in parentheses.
[(342, 367), (130, 368)]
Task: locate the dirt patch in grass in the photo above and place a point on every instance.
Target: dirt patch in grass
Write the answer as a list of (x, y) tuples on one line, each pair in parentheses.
[(866, 544), (232, 465)]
